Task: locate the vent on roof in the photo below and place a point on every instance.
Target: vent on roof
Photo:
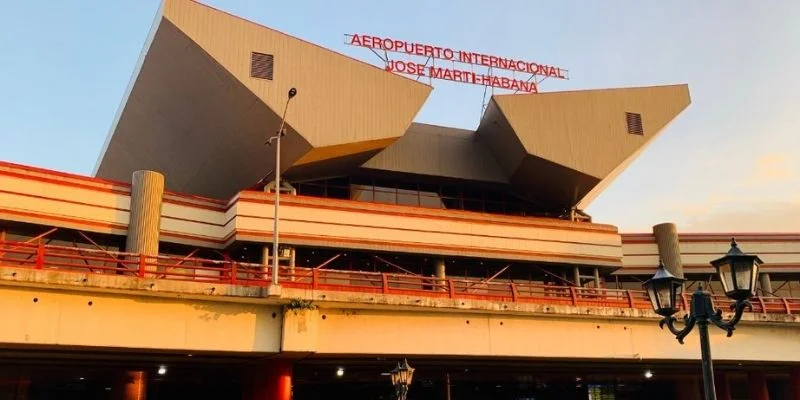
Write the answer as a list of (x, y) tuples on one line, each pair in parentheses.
[(261, 65), (634, 121)]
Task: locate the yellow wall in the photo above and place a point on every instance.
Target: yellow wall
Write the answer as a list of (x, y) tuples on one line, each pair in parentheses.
[(465, 334), (65, 318)]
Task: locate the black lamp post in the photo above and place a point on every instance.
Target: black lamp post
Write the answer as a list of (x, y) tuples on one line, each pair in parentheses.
[(738, 273), (401, 378)]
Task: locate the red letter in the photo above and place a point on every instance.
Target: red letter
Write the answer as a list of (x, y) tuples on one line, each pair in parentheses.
[(448, 54), (355, 41), (428, 51), (464, 57), (377, 43), (436, 72)]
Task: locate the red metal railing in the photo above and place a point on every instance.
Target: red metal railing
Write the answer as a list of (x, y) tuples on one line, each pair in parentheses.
[(95, 261)]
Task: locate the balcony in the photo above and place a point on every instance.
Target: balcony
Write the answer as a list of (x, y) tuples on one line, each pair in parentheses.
[(19, 256)]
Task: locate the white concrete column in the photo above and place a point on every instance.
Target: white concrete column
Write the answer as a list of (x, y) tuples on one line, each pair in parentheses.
[(669, 250), (766, 284), (439, 270), (147, 192)]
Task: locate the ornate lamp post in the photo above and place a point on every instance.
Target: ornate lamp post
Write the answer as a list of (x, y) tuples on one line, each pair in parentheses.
[(401, 378), (738, 273)]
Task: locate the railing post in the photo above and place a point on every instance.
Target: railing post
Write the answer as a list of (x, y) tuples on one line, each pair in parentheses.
[(763, 306), (314, 278), (630, 298), (452, 287), (513, 292), (142, 265), (574, 294), (786, 304), (234, 273), (684, 301), (385, 283), (40, 255)]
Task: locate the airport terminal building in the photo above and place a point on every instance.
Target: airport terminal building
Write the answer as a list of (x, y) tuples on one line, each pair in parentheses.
[(467, 252)]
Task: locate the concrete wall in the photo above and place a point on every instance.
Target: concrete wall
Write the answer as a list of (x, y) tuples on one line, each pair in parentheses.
[(93, 205), (38, 316), (780, 252), (53, 308), (401, 333)]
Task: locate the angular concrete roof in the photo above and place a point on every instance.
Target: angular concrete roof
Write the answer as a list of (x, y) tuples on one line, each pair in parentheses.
[(559, 147), (194, 113)]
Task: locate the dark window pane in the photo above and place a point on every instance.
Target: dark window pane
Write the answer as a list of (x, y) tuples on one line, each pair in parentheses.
[(385, 195), (430, 200), (362, 193), (473, 205), (310, 189)]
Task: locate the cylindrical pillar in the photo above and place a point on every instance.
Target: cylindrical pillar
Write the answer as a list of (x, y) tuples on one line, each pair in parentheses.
[(794, 384), (447, 386), (147, 192), (21, 389), (766, 285), (757, 385), (266, 260), (576, 272), (597, 278), (130, 385), (272, 381), (722, 386), (440, 272), (669, 250), (688, 388)]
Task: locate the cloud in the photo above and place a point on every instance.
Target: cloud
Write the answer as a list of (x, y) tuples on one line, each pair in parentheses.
[(770, 168), (748, 217)]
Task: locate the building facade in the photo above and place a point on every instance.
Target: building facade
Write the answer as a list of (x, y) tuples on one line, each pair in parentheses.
[(467, 252)]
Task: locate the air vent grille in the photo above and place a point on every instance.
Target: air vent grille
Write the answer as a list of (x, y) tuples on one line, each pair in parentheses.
[(261, 65), (634, 122)]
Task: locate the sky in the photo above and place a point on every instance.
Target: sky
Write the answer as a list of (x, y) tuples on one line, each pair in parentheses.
[(729, 163)]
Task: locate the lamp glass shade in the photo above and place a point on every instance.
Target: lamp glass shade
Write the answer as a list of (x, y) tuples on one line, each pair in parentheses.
[(663, 289), (402, 374), (738, 273), (725, 276)]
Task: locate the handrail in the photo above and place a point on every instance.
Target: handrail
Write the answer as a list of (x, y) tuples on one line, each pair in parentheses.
[(14, 254)]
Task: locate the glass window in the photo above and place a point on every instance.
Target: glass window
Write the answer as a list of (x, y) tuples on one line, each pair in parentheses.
[(310, 189), (431, 200), (338, 192), (407, 197), (362, 193), (385, 195)]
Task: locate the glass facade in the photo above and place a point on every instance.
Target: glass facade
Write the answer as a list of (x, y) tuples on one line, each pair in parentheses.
[(442, 196)]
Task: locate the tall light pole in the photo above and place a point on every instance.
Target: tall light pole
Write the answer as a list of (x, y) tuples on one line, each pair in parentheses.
[(738, 273), (277, 138)]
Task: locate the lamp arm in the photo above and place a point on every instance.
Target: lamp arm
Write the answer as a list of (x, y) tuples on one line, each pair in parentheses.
[(730, 325), (680, 334)]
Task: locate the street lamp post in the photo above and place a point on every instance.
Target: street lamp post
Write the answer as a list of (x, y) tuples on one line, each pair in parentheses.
[(738, 273), (277, 139), (401, 378)]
